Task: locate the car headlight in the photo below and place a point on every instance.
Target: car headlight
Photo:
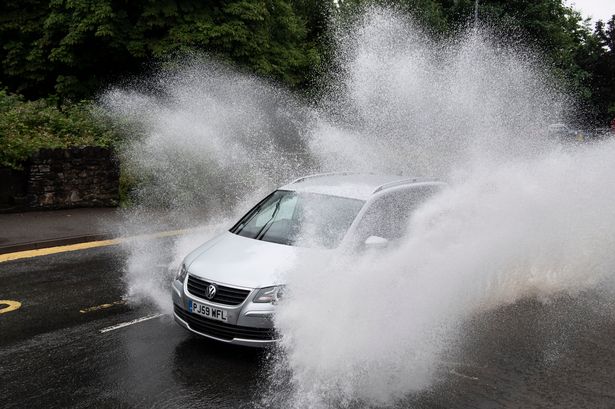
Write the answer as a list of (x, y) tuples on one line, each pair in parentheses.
[(181, 273), (269, 294)]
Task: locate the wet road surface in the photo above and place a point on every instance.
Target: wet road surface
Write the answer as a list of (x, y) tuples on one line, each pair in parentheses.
[(555, 355), (52, 355)]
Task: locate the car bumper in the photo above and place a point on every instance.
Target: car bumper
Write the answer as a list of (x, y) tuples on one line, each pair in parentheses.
[(250, 325)]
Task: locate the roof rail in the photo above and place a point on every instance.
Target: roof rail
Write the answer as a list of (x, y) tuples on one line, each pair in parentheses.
[(404, 182), (320, 175)]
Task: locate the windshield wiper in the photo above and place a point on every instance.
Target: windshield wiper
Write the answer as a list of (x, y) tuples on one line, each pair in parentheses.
[(261, 233)]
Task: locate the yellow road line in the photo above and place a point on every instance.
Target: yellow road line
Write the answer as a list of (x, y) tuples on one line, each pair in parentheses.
[(102, 306), (88, 245), (12, 306)]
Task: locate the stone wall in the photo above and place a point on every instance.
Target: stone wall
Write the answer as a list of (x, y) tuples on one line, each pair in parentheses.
[(75, 177), (13, 186)]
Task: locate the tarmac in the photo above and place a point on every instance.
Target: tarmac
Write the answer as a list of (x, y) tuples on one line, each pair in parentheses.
[(33, 230), (41, 229)]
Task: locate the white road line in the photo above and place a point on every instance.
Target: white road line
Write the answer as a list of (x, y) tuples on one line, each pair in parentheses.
[(466, 364), (125, 324), (454, 372)]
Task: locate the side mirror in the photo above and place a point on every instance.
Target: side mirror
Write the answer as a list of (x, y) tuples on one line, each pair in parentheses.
[(376, 242)]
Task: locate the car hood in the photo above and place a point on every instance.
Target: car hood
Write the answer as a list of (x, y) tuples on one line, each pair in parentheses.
[(235, 260)]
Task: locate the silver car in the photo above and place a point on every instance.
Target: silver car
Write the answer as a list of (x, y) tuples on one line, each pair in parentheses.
[(228, 287)]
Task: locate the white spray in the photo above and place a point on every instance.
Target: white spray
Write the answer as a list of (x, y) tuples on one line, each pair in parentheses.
[(523, 217)]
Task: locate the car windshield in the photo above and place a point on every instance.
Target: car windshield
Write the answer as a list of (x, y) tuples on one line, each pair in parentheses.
[(299, 219)]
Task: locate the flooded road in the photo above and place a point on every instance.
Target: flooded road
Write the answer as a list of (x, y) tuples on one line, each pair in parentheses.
[(53, 353)]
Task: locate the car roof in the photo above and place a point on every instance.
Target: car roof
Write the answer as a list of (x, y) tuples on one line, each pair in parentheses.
[(350, 184)]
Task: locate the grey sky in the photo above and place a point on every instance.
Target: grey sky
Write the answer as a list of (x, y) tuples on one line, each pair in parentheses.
[(596, 9)]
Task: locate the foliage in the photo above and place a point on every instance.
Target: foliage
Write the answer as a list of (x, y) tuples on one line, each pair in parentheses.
[(27, 126), (581, 59), (600, 62), (72, 48), (554, 29), (428, 13)]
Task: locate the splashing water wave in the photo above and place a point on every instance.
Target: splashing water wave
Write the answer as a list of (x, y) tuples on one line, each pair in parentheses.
[(374, 329), (523, 217)]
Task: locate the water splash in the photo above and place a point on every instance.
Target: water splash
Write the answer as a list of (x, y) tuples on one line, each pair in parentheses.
[(523, 217), (374, 328)]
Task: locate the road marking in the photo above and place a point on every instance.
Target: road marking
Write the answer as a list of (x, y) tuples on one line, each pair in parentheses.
[(88, 245), (125, 324), (102, 306), (12, 306), (467, 365), (472, 378)]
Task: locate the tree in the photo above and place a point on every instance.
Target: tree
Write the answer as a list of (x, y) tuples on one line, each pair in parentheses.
[(578, 58), (602, 69), (74, 47), (556, 31), (23, 64), (428, 13)]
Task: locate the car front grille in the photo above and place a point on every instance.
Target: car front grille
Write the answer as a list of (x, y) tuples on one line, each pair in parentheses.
[(223, 330), (224, 295)]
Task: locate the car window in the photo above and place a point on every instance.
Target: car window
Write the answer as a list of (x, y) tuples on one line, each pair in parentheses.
[(263, 217), (389, 216), (275, 209), (301, 219)]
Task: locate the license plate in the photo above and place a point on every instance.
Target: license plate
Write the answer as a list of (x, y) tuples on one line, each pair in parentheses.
[(208, 311)]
